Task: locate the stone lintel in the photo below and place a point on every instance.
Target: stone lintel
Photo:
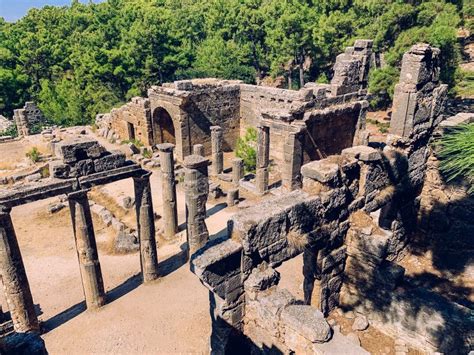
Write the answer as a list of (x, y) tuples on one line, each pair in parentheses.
[(110, 176), (26, 194)]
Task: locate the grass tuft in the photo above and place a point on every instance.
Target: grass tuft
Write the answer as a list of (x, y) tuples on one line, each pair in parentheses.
[(456, 153)]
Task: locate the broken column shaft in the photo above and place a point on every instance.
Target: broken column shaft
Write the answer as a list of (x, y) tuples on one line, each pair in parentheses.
[(196, 183), (198, 149), (86, 248), (263, 158), (170, 211), (146, 227), (217, 155), (237, 171), (15, 283)]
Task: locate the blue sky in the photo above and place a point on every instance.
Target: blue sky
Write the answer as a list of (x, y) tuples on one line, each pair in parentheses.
[(12, 10)]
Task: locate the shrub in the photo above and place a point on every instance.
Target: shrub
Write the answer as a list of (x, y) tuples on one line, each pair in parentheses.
[(456, 153), (148, 154), (34, 155), (246, 149), (138, 143), (12, 131)]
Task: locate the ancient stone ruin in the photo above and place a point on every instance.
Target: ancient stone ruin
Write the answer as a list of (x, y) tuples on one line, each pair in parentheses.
[(27, 117), (320, 191)]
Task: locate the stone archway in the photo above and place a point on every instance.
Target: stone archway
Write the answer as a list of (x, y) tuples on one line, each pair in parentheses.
[(163, 127)]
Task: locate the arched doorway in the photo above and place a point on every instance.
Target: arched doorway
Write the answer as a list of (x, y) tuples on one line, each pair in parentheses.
[(163, 128)]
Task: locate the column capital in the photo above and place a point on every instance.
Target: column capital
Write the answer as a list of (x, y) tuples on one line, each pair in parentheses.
[(216, 128), (165, 147)]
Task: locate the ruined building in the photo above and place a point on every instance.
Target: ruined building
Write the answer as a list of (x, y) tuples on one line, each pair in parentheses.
[(312, 123), (347, 207), (27, 117)]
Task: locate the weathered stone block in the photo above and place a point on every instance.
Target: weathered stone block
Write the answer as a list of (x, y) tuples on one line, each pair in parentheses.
[(306, 321), (109, 162)]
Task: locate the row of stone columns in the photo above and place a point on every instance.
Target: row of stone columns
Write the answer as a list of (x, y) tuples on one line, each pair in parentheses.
[(15, 282)]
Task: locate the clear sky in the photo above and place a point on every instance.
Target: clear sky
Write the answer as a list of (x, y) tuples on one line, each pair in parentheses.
[(12, 10)]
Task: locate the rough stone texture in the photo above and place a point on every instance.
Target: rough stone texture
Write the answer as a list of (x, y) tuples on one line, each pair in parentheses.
[(27, 117), (308, 322), (23, 343), (232, 197), (360, 323), (87, 255), (198, 149), (146, 227), (15, 283), (170, 206), (217, 153), (237, 171), (263, 158), (419, 97), (196, 184)]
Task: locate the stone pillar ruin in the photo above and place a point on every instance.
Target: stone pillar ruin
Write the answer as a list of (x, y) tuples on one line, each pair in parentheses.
[(293, 160), (15, 282), (419, 97), (217, 154), (263, 158), (196, 184), (170, 210), (198, 149), (146, 227), (237, 171), (86, 248)]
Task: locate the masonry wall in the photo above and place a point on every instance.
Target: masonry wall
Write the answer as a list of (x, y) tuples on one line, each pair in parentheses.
[(137, 114), (214, 106)]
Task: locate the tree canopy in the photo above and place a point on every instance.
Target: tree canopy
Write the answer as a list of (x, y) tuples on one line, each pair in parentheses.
[(82, 59)]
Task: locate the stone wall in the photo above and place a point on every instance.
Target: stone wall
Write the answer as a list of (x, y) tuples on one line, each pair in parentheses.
[(128, 122), (195, 105), (27, 117), (352, 218)]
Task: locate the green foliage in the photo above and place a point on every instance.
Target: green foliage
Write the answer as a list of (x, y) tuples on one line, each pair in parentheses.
[(83, 59), (456, 151), (246, 149), (464, 83), (12, 132), (382, 84), (138, 143), (148, 154), (34, 155)]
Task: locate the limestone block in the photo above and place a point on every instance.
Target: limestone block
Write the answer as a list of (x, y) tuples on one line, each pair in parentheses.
[(321, 170), (306, 321), (361, 152), (78, 149), (114, 160), (360, 323), (262, 278)]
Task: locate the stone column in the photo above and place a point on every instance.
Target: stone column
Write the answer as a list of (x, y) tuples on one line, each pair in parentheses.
[(196, 184), (217, 155), (293, 160), (198, 149), (263, 158), (86, 248), (170, 211), (15, 283), (146, 227), (237, 171)]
